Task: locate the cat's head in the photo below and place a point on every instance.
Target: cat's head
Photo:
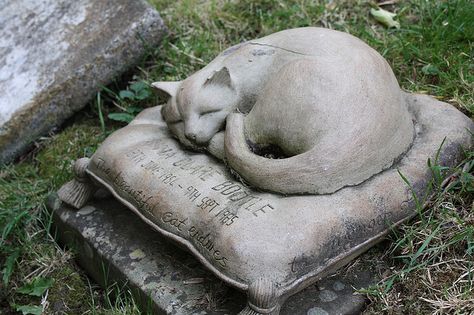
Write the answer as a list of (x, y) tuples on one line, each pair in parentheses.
[(197, 107)]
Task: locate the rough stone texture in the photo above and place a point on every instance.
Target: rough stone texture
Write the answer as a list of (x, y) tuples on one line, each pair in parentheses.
[(114, 245), (54, 54)]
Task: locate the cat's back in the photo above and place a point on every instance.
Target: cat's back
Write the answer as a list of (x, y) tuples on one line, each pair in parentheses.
[(336, 112), (314, 41)]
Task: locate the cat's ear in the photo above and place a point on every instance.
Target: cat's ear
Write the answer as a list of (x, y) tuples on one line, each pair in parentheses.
[(169, 88), (220, 77), (170, 113)]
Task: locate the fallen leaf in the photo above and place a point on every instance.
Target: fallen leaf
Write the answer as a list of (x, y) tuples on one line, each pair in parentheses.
[(36, 287), (385, 17), (29, 309), (430, 69)]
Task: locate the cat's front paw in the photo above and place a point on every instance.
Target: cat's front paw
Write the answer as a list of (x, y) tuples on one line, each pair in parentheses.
[(216, 146)]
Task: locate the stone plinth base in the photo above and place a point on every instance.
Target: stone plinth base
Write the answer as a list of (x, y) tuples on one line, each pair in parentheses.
[(114, 246)]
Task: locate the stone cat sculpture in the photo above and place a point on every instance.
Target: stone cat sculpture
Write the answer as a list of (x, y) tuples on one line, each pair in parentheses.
[(325, 100)]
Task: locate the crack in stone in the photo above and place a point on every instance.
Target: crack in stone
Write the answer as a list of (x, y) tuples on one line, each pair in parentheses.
[(277, 47)]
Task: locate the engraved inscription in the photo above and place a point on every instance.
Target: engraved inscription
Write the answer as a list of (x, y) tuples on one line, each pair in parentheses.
[(172, 220), (165, 176), (225, 216), (192, 193), (136, 156), (300, 263), (237, 195), (204, 240), (242, 198), (208, 204), (185, 163), (101, 166), (203, 172), (142, 199)]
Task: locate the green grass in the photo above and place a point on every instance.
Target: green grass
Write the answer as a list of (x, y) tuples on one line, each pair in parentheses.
[(429, 264)]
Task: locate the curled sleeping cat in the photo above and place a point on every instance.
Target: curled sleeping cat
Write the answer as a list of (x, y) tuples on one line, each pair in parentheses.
[(325, 99)]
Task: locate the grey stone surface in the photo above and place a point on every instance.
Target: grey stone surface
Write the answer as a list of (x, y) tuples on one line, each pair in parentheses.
[(317, 311), (327, 295), (54, 54), (114, 245)]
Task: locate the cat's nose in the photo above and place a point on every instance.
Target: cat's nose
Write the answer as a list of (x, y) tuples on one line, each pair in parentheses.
[(196, 138), (191, 136)]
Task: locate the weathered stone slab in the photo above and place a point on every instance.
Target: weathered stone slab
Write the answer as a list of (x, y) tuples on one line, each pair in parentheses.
[(114, 245), (54, 54)]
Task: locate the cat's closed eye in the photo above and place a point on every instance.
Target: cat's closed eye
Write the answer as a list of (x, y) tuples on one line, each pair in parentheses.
[(210, 111)]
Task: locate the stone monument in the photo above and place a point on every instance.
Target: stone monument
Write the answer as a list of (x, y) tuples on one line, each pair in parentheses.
[(278, 162), (56, 54)]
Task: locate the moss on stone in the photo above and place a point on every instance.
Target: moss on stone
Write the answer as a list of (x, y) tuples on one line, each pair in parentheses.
[(60, 151), (69, 294)]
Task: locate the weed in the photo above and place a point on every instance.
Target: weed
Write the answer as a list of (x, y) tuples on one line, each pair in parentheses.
[(129, 101), (32, 264), (433, 255)]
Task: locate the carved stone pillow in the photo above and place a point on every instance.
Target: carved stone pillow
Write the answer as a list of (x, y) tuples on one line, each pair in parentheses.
[(267, 244)]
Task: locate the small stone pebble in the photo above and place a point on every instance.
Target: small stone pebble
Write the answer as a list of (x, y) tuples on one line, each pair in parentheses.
[(137, 254), (338, 286), (317, 311), (86, 210), (327, 296)]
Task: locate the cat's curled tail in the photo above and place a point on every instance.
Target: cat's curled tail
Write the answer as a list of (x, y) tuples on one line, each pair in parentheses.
[(286, 176), (303, 173)]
